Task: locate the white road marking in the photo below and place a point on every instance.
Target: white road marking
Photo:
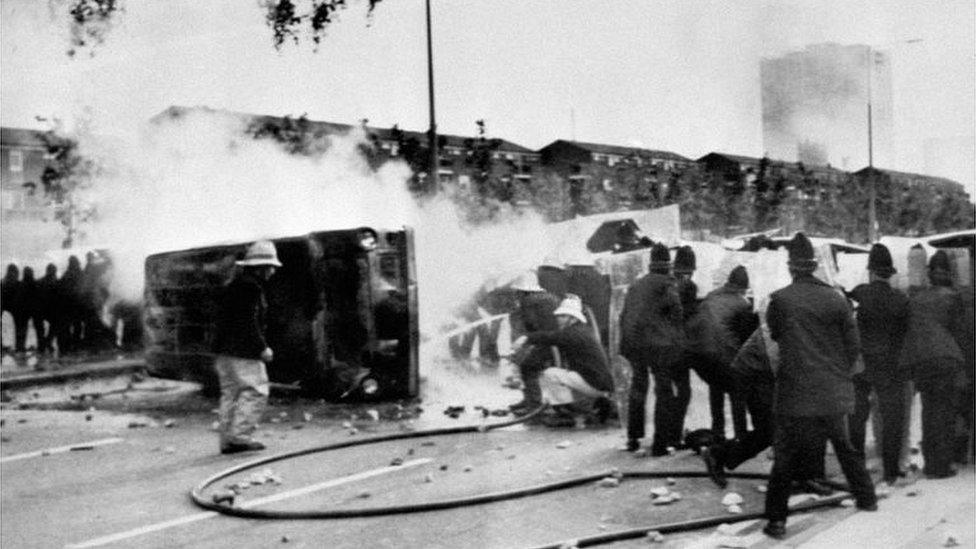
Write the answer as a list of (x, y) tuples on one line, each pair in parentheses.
[(61, 449), (105, 540)]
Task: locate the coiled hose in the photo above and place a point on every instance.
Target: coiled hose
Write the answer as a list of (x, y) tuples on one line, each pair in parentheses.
[(196, 494)]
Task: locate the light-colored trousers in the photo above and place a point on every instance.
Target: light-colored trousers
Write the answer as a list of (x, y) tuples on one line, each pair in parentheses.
[(243, 396), (562, 386)]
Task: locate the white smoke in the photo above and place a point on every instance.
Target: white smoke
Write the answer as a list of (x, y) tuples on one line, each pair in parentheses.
[(200, 179)]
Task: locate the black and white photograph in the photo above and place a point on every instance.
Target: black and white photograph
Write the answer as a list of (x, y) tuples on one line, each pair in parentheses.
[(495, 274)]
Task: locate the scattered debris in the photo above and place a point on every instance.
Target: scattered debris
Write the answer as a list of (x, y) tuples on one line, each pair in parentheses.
[(468, 468), (734, 542), (138, 424), (373, 414), (428, 478), (364, 495), (601, 526), (224, 497), (428, 443), (306, 416), (675, 496), (298, 426), (22, 420), (454, 411), (564, 444), (397, 461), (346, 425), (655, 537), (88, 417), (732, 498), (725, 529), (609, 482), (671, 481), (410, 451), (444, 467), (169, 423), (659, 491), (284, 539), (663, 500), (950, 541), (734, 509), (847, 502)]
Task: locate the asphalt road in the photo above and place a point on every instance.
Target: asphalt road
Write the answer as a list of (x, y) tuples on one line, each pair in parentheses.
[(126, 482)]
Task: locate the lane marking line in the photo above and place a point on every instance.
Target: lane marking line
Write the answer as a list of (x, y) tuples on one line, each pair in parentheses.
[(61, 449), (105, 540)]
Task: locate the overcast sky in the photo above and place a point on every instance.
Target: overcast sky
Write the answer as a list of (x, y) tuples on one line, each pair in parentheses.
[(673, 75)]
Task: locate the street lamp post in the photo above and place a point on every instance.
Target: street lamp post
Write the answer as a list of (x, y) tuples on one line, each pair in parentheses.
[(872, 184), (432, 133)]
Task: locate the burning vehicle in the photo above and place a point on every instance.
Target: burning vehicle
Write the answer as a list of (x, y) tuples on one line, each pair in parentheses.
[(342, 313)]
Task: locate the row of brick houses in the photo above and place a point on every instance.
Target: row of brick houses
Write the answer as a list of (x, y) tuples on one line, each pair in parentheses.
[(584, 165)]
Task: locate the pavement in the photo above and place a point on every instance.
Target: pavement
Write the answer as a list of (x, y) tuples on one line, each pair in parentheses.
[(923, 513)]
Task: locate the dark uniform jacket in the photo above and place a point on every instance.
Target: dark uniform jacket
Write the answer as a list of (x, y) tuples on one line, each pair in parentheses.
[(819, 345), (581, 352), (726, 321), (935, 328), (241, 319), (651, 321), (882, 320)]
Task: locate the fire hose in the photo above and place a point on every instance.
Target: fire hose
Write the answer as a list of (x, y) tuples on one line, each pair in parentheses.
[(196, 494)]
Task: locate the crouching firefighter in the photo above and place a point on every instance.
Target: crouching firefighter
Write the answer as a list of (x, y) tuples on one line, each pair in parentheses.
[(584, 381), (535, 312), (242, 349)]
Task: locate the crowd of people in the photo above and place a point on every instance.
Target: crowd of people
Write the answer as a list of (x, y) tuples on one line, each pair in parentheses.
[(801, 368), (68, 313)]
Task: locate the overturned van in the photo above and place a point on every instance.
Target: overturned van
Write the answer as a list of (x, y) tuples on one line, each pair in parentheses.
[(342, 313)]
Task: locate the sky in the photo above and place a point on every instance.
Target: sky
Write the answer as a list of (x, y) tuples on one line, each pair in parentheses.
[(671, 75)]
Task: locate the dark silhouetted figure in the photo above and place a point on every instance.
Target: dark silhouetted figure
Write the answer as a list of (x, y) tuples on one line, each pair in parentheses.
[(47, 297), (94, 294), (10, 297), (70, 299), (30, 308)]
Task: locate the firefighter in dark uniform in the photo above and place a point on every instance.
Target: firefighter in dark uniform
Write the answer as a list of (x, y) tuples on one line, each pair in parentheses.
[(819, 346), (651, 340), (882, 320), (585, 373), (932, 352), (535, 314)]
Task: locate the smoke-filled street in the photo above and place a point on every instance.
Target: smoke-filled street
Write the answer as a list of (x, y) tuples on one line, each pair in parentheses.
[(438, 274)]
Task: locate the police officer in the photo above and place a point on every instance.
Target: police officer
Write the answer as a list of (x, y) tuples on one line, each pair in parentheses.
[(933, 354), (725, 321), (882, 319), (652, 337), (47, 293), (819, 345), (11, 302)]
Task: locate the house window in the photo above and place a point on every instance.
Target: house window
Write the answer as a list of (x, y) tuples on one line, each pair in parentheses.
[(16, 161)]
